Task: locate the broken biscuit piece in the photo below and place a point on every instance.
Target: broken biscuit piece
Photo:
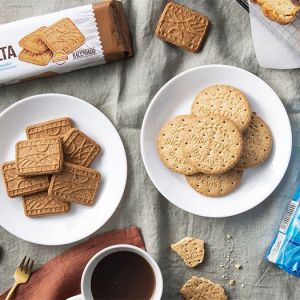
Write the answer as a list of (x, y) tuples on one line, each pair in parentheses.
[(190, 250), (202, 289)]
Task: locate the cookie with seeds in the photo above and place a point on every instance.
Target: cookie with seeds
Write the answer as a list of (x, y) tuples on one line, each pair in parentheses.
[(213, 144), (215, 185), (41, 204), (190, 250), (257, 144), (202, 289), (171, 141), (226, 101)]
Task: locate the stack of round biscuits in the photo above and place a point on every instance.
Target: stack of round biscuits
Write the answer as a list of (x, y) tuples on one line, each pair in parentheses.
[(216, 142)]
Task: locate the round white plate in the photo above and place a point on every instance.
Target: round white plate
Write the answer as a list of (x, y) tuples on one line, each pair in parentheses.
[(176, 97), (81, 221)]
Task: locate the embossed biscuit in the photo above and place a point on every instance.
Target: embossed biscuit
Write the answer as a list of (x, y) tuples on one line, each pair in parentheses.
[(53, 128), (171, 141), (40, 204), (40, 156), (36, 59), (63, 36), (202, 289), (18, 186), (214, 144), (215, 185), (224, 100), (182, 27), (32, 42), (79, 149), (257, 144), (75, 184), (190, 250)]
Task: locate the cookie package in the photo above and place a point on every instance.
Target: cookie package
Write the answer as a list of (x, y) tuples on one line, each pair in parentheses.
[(64, 41)]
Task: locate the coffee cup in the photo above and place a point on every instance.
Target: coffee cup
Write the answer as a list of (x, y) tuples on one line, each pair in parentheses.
[(102, 275)]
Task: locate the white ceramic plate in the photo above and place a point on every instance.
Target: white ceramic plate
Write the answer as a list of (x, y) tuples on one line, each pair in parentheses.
[(176, 97), (81, 221)]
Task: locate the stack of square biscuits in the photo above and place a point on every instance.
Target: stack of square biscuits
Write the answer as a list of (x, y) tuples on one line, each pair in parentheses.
[(51, 168), (59, 39), (216, 142)]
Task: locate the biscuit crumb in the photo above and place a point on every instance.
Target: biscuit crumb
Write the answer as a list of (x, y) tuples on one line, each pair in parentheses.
[(232, 282), (243, 285), (238, 266), (229, 236)]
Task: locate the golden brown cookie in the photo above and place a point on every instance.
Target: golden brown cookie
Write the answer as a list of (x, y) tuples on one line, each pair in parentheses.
[(182, 27), (40, 156), (75, 184), (32, 42), (257, 144), (224, 100), (281, 11), (214, 144), (79, 149), (40, 204), (63, 36), (202, 289), (190, 250), (53, 128), (18, 186), (36, 59), (215, 185), (171, 141)]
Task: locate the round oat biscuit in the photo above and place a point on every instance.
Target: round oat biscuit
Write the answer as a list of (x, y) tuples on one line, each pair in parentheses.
[(214, 144), (171, 141), (215, 185), (224, 100), (257, 144)]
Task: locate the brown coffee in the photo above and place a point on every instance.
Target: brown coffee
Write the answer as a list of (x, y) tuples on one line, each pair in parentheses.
[(123, 275)]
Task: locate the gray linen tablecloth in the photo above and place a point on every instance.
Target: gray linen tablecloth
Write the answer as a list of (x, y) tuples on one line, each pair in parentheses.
[(123, 91)]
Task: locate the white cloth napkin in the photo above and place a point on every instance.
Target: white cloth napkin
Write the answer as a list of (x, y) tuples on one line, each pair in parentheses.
[(270, 51)]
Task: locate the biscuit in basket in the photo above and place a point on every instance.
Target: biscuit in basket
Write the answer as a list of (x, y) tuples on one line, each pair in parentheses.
[(226, 101), (190, 250), (63, 36), (40, 204), (53, 128), (79, 149), (257, 144), (40, 156), (281, 11), (36, 59), (75, 184), (171, 140), (215, 185), (214, 144), (18, 186), (202, 289), (32, 42)]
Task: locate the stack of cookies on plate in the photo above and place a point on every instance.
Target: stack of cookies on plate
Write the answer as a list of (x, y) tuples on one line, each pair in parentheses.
[(216, 142), (51, 168)]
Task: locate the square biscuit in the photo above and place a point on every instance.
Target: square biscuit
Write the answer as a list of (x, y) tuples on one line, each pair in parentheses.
[(52, 128), (63, 36), (75, 184), (79, 149), (36, 59), (182, 27), (41, 204), (39, 157), (33, 42), (19, 186)]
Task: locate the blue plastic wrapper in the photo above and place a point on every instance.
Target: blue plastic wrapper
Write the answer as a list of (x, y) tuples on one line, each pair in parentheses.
[(285, 249)]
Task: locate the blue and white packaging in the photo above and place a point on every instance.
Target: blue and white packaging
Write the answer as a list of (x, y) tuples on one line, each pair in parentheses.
[(285, 249)]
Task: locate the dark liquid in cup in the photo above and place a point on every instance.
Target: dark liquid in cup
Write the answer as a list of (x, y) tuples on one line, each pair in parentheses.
[(123, 275)]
